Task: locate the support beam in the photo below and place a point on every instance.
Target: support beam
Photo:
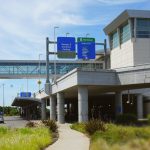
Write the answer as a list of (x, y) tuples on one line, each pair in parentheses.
[(82, 104), (140, 106), (118, 103), (52, 107), (43, 109), (60, 108)]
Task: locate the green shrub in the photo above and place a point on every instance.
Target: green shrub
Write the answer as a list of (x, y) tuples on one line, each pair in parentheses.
[(51, 124), (119, 135), (126, 119), (135, 144), (3, 130), (25, 139), (94, 125), (148, 117), (30, 124), (79, 127)]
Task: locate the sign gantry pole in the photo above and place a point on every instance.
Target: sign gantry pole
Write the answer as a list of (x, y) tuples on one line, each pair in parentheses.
[(105, 53), (82, 42), (47, 60)]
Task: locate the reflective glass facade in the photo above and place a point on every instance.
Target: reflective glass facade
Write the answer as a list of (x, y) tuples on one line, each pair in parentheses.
[(119, 38), (114, 40), (143, 28), (125, 34)]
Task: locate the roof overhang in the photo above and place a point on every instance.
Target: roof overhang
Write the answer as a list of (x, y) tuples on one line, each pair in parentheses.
[(124, 16), (25, 101)]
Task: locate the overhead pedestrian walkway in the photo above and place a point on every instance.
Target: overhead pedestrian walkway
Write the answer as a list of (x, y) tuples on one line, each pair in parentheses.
[(14, 69)]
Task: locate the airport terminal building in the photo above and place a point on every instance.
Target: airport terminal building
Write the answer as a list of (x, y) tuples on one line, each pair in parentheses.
[(85, 93)]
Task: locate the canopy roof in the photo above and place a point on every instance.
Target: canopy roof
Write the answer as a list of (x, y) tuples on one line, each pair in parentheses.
[(25, 101)]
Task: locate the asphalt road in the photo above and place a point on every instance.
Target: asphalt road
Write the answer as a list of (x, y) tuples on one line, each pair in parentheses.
[(14, 122)]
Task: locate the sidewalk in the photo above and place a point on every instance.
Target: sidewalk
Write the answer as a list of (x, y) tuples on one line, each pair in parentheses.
[(70, 140)]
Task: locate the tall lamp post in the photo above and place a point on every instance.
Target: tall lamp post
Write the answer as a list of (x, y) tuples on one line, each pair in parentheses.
[(39, 82), (87, 35), (3, 98), (55, 52), (3, 88), (67, 34)]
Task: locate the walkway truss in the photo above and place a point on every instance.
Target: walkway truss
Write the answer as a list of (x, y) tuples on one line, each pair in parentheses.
[(12, 69)]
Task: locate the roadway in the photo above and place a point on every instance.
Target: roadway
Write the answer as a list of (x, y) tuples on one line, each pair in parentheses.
[(14, 122)]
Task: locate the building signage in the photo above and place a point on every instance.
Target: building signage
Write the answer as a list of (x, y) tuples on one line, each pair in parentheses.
[(25, 94), (66, 47), (86, 48)]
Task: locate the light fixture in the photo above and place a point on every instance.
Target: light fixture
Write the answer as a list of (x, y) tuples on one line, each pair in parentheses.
[(67, 34), (87, 35)]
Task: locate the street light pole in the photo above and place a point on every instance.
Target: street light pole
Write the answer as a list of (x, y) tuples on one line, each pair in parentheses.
[(3, 98), (55, 54), (39, 63), (39, 82), (67, 34), (87, 35), (105, 53), (47, 60)]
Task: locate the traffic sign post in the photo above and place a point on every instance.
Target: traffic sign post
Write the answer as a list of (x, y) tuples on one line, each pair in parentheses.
[(66, 47), (25, 94), (48, 42), (86, 48)]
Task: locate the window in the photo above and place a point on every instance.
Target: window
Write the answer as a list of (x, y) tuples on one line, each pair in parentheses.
[(125, 33), (143, 28), (114, 40)]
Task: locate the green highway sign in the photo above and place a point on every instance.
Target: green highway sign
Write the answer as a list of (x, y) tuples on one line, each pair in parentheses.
[(82, 39)]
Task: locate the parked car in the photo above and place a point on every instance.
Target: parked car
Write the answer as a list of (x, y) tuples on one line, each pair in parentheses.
[(1, 119)]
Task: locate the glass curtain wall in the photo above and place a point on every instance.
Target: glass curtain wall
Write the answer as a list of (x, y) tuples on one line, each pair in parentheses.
[(122, 37), (114, 40), (143, 28), (125, 34)]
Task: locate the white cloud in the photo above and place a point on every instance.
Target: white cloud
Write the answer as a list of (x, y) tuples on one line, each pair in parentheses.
[(119, 2), (61, 13), (26, 23)]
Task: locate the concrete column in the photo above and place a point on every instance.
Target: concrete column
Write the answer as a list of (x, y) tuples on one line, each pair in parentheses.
[(140, 106), (82, 104), (26, 113), (47, 88), (60, 108), (147, 108), (52, 107), (43, 109), (118, 103), (68, 108)]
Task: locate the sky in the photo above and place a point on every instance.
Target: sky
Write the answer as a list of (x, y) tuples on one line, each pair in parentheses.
[(24, 25)]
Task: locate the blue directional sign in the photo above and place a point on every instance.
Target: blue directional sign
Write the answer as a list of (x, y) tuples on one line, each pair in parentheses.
[(86, 48), (25, 94), (66, 47)]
